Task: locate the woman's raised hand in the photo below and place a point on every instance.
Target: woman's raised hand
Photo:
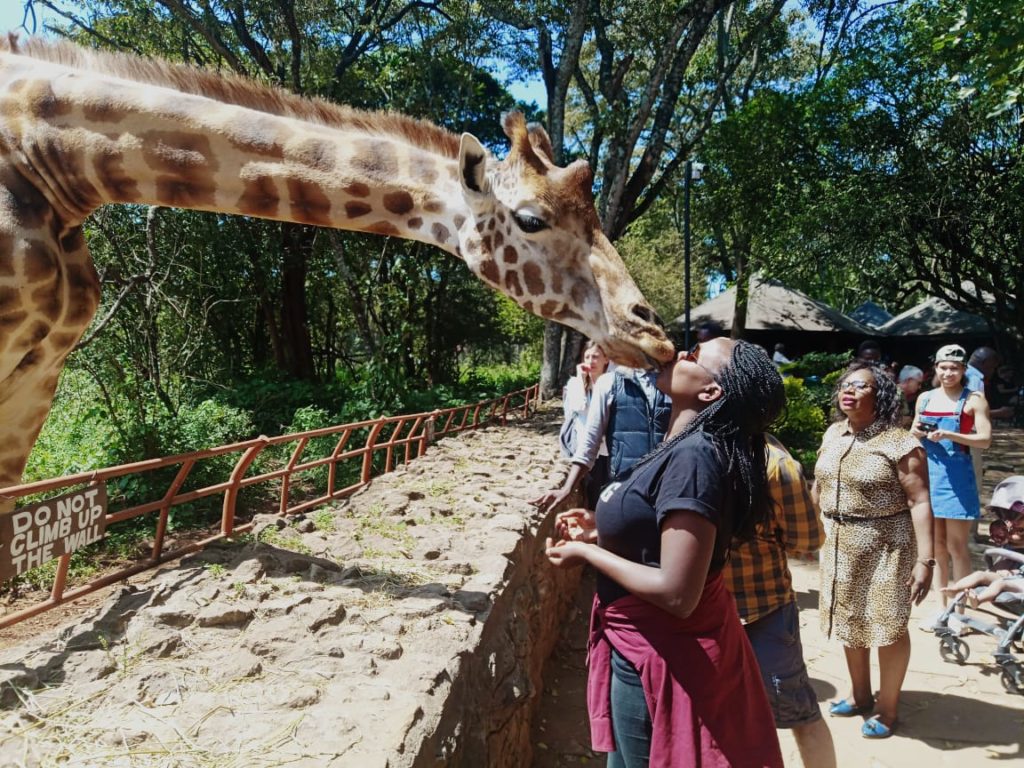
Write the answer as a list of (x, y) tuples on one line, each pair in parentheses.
[(576, 525)]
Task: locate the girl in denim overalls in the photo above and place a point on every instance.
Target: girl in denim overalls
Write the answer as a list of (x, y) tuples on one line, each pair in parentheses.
[(950, 420)]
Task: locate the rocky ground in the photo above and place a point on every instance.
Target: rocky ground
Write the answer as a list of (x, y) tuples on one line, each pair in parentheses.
[(332, 640)]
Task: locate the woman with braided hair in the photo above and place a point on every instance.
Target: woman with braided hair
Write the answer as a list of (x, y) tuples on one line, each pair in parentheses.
[(673, 679)]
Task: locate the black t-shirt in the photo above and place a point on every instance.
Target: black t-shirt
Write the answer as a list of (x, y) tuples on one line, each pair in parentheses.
[(688, 476)]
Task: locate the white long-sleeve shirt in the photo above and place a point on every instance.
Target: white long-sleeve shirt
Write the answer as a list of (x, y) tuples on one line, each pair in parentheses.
[(592, 441)]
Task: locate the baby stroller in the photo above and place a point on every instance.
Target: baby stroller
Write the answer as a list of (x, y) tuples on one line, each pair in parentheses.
[(1008, 632), (1008, 505)]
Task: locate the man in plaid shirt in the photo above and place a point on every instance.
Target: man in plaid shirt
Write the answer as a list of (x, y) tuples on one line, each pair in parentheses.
[(758, 577)]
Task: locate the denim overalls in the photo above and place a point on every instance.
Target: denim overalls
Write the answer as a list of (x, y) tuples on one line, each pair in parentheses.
[(953, 486)]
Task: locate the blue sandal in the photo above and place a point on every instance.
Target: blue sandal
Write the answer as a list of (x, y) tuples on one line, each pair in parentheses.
[(848, 708), (874, 728)]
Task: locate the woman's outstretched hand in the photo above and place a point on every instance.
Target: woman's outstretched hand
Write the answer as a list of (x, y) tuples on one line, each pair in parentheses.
[(576, 525), (563, 553)]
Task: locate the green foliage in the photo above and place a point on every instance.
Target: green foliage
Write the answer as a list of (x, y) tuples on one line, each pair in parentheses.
[(984, 43), (802, 423), (818, 364)]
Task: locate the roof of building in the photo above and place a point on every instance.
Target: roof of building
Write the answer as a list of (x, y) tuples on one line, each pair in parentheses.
[(871, 314), (934, 317), (774, 307)]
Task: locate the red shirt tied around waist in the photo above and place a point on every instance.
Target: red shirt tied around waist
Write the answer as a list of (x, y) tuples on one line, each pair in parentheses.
[(700, 679), (673, 680)]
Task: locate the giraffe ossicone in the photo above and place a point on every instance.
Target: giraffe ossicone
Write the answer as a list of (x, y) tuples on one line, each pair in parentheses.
[(80, 129)]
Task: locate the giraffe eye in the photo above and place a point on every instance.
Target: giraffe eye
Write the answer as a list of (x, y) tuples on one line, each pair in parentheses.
[(528, 223)]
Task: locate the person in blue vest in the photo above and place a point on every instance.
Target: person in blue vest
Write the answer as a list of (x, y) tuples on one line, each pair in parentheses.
[(628, 411)]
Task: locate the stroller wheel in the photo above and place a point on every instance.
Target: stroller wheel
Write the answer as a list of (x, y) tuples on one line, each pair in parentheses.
[(953, 649), (1013, 678)]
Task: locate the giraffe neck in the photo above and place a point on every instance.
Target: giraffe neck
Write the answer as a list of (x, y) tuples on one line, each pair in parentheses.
[(102, 139)]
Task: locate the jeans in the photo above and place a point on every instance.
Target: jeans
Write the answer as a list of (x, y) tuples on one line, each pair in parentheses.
[(631, 721)]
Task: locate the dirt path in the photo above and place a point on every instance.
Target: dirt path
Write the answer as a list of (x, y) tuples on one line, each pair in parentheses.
[(950, 715)]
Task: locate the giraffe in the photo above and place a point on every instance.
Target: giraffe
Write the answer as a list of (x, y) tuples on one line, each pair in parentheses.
[(80, 129)]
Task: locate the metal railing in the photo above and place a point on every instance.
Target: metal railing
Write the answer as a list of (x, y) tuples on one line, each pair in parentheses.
[(406, 437)]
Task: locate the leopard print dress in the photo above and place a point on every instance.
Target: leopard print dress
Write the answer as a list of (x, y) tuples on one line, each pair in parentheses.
[(870, 548)]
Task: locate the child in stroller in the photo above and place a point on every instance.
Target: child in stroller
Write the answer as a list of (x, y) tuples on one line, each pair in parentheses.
[(1002, 584)]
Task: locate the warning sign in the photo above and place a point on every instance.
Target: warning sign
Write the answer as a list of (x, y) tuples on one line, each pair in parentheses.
[(37, 534)]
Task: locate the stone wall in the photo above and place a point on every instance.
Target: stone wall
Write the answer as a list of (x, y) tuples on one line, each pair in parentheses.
[(406, 626)]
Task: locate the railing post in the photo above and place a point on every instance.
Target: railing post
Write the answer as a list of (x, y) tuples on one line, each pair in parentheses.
[(165, 507), (286, 480), (227, 520), (371, 440)]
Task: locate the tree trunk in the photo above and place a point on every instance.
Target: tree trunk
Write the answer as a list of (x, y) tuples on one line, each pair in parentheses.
[(551, 368), (739, 315), (296, 243)]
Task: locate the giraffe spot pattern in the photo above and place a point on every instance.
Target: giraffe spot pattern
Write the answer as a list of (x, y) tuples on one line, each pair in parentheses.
[(414, 223), (104, 111), (28, 360), (549, 308), (499, 240), (76, 185), (459, 221), (109, 168), (10, 300), (556, 281), (46, 300), (566, 313), (512, 283), (383, 227), (510, 255), (433, 205), (489, 271), (578, 294), (28, 204), (43, 103), (309, 204), (354, 209), (375, 159), (533, 278), (11, 321), (399, 202), (183, 193), (423, 169), (84, 295), (317, 154), (187, 167), (63, 342), (440, 232), (358, 189), (39, 263), (72, 240), (259, 197)]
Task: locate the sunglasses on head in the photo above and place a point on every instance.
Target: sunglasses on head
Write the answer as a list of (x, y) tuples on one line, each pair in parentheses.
[(693, 355)]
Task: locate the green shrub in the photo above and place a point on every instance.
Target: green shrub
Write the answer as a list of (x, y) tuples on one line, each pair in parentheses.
[(816, 364), (802, 423)]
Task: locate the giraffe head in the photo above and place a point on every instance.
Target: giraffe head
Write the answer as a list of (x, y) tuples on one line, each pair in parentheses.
[(534, 234)]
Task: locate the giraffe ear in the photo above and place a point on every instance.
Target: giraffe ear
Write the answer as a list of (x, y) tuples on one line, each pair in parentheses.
[(473, 165), (541, 142)]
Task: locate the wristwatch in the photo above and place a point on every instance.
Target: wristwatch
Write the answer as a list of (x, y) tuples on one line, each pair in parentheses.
[(930, 562)]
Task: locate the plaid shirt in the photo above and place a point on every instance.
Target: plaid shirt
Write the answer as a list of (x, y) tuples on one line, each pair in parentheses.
[(757, 574)]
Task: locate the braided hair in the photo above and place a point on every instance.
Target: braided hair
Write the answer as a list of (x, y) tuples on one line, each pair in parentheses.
[(888, 405), (752, 398)]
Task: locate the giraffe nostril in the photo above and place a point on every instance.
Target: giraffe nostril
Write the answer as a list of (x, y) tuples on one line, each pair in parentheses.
[(647, 314)]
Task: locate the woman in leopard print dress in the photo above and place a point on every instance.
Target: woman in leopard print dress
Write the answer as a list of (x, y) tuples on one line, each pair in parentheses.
[(871, 486)]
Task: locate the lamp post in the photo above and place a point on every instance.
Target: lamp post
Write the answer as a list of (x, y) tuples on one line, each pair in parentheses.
[(690, 174)]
